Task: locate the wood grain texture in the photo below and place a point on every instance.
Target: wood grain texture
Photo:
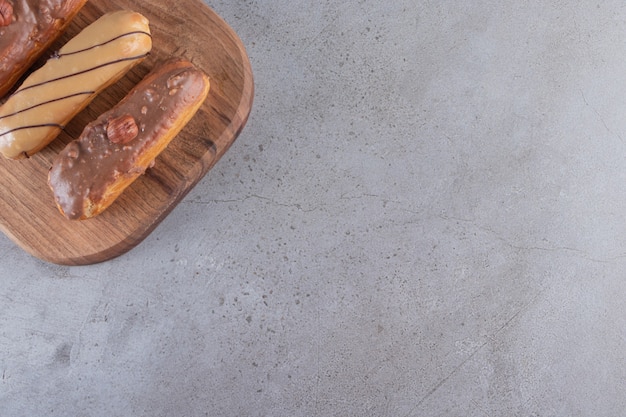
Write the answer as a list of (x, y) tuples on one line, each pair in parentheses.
[(188, 29)]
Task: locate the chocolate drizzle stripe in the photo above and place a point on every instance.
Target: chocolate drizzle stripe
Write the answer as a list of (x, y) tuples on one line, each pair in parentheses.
[(32, 127), (137, 32), (54, 100), (117, 61)]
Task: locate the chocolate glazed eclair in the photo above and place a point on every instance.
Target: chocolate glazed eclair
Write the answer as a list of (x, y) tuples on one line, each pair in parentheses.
[(50, 97), (115, 149)]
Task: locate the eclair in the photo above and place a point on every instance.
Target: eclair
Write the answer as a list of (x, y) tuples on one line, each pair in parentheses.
[(50, 97), (27, 29), (116, 148)]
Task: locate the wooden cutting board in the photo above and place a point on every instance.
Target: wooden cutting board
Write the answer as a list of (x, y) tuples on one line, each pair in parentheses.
[(185, 28)]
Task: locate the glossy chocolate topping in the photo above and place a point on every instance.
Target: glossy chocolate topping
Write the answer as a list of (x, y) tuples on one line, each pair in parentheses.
[(87, 167), (33, 23)]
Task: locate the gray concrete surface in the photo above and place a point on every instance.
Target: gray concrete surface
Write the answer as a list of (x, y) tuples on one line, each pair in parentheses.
[(425, 216)]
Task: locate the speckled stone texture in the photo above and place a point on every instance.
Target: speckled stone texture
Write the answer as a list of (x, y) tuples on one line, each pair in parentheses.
[(425, 216)]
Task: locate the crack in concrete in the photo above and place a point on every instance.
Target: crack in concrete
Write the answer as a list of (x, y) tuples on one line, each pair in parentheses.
[(258, 197), (489, 339), (600, 118), (579, 253)]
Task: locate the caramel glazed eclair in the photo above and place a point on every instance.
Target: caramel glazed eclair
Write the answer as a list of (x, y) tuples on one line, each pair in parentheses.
[(27, 29), (51, 96), (115, 149)]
